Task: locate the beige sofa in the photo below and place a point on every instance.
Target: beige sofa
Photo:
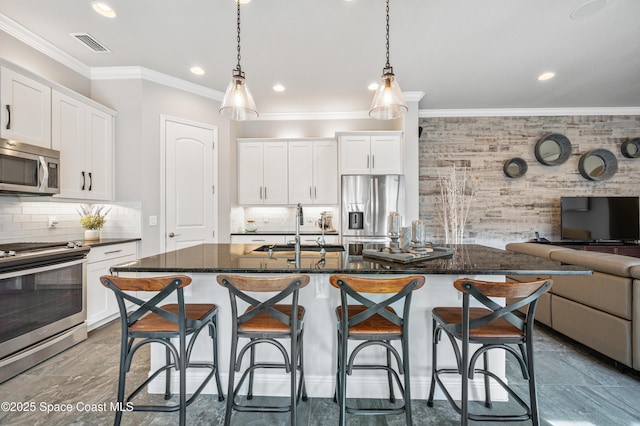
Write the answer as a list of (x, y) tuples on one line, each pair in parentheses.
[(601, 311)]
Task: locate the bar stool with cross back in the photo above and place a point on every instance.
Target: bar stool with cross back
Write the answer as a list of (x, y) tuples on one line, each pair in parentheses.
[(151, 322), (491, 326), (263, 322), (374, 323)]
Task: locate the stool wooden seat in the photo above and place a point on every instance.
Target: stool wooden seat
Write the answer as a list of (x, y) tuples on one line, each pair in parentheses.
[(492, 327), (155, 323), (374, 323), (263, 322)]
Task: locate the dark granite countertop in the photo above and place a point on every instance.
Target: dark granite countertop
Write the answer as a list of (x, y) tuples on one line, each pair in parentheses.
[(467, 259)]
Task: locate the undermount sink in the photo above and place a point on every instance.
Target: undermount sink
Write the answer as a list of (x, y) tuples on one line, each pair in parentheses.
[(303, 247)]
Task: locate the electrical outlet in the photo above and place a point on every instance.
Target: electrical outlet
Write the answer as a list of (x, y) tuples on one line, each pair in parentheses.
[(53, 221), (153, 220)]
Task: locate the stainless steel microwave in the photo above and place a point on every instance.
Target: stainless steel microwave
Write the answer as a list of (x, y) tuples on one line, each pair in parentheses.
[(28, 170)]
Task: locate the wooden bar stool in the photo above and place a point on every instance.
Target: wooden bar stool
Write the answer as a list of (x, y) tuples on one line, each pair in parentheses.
[(159, 324), (264, 322), (492, 327), (374, 323)]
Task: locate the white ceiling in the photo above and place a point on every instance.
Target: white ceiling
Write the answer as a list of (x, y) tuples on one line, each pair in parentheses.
[(461, 53)]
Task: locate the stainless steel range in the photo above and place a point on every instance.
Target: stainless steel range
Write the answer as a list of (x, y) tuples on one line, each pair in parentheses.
[(42, 302)]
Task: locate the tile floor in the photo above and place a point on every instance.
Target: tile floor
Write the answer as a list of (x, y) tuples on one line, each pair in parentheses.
[(576, 388)]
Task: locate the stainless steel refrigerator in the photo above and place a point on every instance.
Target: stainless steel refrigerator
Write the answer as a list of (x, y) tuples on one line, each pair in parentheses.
[(367, 201)]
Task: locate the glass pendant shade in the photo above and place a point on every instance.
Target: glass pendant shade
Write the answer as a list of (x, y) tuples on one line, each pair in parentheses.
[(388, 102), (238, 103)]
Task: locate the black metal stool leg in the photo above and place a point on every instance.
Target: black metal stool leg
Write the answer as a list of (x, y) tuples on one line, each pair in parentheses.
[(213, 331), (303, 386), (231, 392), (167, 375), (533, 397), (342, 394), (252, 362), (434, 367), (487, 381), (407, 379), (293, 367), (392, 396), (122, 374), (182, 364)]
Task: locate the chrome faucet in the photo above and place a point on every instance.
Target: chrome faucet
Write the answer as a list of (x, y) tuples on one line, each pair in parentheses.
[(299, 222)]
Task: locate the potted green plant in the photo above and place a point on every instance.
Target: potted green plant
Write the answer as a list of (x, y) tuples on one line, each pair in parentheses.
[(92, 219)]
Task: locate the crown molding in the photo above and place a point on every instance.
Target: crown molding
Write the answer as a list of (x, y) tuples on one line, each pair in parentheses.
[(530, 112), (134, 72), (19, 32), (413, 96)]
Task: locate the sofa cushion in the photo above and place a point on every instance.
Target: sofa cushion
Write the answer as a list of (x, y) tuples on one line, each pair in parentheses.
[(634, 271), (603, 262), (607, 334), (605, 292), (535, 249)]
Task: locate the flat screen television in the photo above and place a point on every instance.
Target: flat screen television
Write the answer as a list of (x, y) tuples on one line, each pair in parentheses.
[(593, 219)]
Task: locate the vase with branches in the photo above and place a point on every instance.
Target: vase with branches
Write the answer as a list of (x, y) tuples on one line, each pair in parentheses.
[(454, 202), (92, 219)]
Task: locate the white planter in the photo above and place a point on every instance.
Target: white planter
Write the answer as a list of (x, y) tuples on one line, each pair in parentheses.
[(91, 234)]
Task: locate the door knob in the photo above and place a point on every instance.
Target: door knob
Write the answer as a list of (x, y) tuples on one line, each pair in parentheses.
[(171, 235)]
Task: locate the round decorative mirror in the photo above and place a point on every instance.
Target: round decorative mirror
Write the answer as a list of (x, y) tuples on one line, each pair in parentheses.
[(515, 168), (631, 148), (599, 164), (552, 150)]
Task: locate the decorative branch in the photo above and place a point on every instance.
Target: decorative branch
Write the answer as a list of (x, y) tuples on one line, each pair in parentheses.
[(455, 203)]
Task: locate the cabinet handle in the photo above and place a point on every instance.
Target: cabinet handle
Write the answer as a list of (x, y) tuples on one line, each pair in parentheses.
[(373, 161), (90, 181), (315, 192), (261, 193), (83, 181), (8, 116), (310, 194), (112, 251), (367, 161), (265, 192)]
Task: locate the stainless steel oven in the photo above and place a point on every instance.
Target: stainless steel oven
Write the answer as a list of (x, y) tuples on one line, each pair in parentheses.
[(28, 169), (42, 305)]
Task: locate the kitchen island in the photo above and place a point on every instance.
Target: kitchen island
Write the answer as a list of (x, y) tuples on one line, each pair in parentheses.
[(203, 262)]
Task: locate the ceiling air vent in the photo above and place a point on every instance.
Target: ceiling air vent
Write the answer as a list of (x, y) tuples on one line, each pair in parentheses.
[(90, 42)]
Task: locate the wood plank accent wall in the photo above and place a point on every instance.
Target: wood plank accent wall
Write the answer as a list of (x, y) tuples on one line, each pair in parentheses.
[(505, 209)]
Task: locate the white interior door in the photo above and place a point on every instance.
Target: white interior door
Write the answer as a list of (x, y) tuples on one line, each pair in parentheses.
[(191, 170)]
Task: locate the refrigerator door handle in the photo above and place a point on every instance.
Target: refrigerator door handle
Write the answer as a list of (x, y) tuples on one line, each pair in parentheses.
[(375, 202)]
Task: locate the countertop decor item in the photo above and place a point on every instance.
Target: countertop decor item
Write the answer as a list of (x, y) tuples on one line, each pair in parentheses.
[(553, 150), (250, 226), (455, 200), (92, 219)]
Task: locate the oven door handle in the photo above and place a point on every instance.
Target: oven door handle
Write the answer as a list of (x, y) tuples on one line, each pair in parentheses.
[(37, 269)]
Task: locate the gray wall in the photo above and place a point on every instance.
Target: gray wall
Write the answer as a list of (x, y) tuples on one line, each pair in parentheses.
[(506, 209)]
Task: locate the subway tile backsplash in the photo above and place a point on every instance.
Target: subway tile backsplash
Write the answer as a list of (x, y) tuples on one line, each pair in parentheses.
[(23, 219)]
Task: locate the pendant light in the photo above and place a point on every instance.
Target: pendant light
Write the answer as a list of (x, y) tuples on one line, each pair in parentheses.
[(388, 102), (238, 103)]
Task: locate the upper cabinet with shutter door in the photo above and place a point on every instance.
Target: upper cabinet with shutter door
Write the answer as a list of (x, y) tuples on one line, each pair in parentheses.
[(313, 172), (262, 172), (371, 153), (84, 137), (25, 113)]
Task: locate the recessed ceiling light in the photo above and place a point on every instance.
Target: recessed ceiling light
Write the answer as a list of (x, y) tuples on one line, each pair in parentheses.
[(587, 9), (197, 70), (373, 86), (278, 87), (546, 76), (103, 9)]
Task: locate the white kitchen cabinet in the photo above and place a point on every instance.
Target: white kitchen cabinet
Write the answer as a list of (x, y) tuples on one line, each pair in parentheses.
[(262, 173), (258, 239), (101, 302), (376, 154), (84, 137), (313, 172), (25, 113)]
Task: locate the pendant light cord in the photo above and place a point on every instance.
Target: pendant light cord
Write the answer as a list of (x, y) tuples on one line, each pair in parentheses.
[(388, 65), (238, 68)]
